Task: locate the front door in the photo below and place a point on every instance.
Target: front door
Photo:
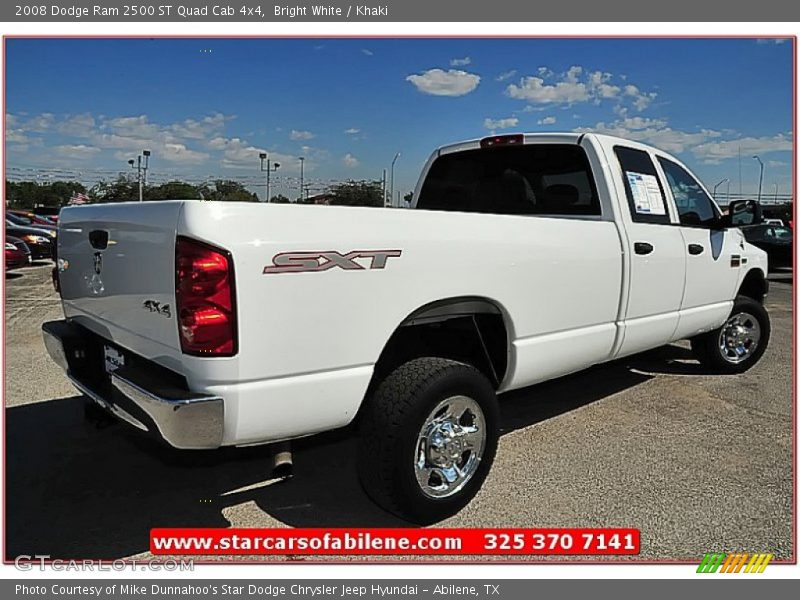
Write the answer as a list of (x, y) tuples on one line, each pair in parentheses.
[(713, 255)]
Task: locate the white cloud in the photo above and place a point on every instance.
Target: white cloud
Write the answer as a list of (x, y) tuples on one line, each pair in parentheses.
[(772, 40), (653, 131), (16, 136), (506, 75), (641, 100), (179, 153), (78, 125), (367, 52), (577, 85), (41, 123), (599, 82), (461, 62), (534, 89), (547, 121), (199, 129), (350, 161), (500, 123), (77, 151), (445, 83), (352, 131), (718, 150), (301, 135)]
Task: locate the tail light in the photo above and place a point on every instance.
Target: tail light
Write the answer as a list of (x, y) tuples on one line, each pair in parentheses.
[(514, 139), (206, 299)]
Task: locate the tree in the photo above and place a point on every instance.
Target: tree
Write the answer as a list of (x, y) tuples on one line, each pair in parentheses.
[(280, 199), (172, 190), (408, 198), (226, 190), (121, 190), (357, 193), (27, 194)]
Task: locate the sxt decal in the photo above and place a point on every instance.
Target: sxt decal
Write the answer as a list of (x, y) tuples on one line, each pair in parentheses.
[(313, 262)]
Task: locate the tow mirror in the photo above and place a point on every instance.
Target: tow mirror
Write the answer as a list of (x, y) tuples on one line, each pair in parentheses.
[(743, 212)]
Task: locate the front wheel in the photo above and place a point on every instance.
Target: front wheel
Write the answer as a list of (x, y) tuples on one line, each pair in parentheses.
[(427, 438), (739, 343)]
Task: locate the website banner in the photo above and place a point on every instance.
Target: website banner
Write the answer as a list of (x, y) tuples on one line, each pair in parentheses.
[(399, 11)]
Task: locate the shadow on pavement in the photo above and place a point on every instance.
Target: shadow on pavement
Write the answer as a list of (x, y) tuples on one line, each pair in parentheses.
[(75, 490)]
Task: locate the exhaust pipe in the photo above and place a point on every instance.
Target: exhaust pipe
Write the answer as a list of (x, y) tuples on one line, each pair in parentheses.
[(282, 467)]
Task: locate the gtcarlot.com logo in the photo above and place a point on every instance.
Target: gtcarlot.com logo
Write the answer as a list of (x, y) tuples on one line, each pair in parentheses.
[(742, 562)]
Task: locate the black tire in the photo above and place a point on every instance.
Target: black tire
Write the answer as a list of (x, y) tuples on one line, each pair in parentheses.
[(391, 425), (707, 347)]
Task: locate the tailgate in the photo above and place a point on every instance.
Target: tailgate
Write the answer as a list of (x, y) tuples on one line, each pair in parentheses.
[(117, 273)]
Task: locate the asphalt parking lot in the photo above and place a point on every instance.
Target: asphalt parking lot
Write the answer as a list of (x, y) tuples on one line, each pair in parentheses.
[(698, 463)]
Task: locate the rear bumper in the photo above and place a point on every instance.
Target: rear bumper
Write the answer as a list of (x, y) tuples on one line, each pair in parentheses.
[(139, 395)]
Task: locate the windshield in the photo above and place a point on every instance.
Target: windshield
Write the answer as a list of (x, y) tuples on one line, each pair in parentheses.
[(16, 219)]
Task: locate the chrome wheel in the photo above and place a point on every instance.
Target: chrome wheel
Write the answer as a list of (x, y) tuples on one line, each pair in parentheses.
[(739, 337), (450, 446)]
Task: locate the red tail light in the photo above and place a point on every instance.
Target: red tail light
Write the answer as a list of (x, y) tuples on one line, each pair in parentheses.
[(205, 295)]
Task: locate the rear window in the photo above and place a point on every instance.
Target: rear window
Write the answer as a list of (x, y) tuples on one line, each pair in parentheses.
[(534, 179)]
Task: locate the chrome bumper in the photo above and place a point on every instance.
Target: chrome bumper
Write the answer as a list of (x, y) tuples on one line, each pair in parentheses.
[(182, 419)]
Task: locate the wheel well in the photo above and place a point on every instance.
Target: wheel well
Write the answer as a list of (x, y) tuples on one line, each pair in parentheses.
[(754, 285), (470, 330)]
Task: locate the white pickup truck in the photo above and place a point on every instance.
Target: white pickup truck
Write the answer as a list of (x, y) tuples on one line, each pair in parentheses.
[(525, 257)]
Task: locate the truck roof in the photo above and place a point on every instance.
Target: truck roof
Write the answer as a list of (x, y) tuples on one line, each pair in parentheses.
[(531, 137)]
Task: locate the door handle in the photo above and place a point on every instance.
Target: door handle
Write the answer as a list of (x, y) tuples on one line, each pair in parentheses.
[(695, 249), (642, 247)]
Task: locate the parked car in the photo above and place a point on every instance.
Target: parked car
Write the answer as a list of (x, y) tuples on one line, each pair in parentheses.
[(523, 258), (25, 221), (49, 212), (41, 242), (775, 240), (17, 253), (28, 218)]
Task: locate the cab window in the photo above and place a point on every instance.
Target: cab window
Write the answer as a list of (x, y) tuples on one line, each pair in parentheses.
[(643, 189), (531, 179), (695, 208)]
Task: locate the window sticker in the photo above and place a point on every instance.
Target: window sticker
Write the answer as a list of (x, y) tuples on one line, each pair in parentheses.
[(646, 194)]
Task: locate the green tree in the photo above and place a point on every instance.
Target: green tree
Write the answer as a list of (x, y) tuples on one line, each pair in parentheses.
[(357, 193), (172, 190), (121, 190), (229, 191), (28, 194), (280, 199)]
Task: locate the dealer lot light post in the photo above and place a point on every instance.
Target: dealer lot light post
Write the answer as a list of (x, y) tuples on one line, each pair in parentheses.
[(267, 166), (760, 176), (141, 170)]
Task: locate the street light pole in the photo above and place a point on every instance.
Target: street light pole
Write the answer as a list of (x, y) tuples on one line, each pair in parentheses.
[(302, 160), (760, 176), (775, 200), (714, 193), (391, 179), (141, 171), (269, 168)]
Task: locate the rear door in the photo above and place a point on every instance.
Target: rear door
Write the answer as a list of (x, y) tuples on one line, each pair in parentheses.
[(713, 255), (657, 255)]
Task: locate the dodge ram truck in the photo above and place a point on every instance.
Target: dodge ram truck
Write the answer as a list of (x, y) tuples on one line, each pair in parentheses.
[(525, 257)]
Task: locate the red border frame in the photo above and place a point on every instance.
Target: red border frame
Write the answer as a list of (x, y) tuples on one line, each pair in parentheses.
[(540, 561)]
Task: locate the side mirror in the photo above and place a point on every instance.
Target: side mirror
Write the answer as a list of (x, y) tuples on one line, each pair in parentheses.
[(743, 212)]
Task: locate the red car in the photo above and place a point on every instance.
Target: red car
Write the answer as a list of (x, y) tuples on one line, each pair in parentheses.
[(17, 253)]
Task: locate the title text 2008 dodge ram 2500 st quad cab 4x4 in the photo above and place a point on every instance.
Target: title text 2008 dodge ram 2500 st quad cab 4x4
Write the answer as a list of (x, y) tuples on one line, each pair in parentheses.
[(526, 257)]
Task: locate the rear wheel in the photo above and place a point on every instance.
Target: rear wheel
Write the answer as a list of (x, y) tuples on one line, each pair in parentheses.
[(428, 438), (739, 343)]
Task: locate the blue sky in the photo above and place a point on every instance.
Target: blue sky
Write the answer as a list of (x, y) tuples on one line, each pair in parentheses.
[(206, 108)]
